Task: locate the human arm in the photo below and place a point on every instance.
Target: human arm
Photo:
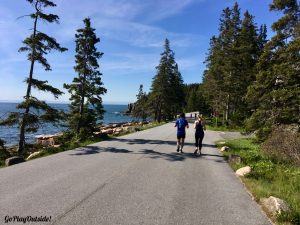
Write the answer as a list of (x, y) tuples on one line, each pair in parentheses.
[(195, 124), (203, 124), (187, 124)]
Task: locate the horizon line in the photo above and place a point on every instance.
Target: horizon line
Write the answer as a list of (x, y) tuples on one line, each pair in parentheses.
[(68, 102)]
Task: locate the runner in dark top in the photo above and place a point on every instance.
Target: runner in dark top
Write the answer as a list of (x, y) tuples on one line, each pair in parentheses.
[(181, 124), (199, 126)]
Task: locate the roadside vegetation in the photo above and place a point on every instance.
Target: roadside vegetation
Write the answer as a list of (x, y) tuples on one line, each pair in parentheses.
[(271, 175)]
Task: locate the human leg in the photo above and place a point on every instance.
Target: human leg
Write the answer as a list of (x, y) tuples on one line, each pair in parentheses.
[(178, 143), (201, 136), (196, 143), (181, 144)]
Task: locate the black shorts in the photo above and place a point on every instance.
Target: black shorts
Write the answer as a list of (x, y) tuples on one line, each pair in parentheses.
[(179, 136)]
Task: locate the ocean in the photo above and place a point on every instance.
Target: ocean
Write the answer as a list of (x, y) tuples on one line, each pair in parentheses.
[(113, 114)]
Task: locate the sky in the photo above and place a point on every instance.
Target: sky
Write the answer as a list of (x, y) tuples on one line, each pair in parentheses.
[(132, 34)]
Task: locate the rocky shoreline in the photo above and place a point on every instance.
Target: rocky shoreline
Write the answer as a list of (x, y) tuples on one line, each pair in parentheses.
[(52, 140)]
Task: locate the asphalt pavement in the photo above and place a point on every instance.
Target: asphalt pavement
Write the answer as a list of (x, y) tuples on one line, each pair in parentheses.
[(134, 179)]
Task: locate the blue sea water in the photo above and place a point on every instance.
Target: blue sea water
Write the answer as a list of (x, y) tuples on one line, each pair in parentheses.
[(113, 114)]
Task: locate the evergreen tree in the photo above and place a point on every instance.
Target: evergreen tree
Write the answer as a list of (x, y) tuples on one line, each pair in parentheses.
[(167, 87), (33, 111), (177, 90), (212, 79), (231, 65), (248, 51), (275, 95), (140, 109), (192, 103), (86, 90)]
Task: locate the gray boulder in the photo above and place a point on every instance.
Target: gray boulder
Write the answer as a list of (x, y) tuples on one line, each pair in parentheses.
[(14, 160), (274, 205)]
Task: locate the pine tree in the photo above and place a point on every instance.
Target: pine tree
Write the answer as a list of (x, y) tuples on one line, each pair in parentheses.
[(222, 62), (275, 96), (167, 87), (32, 112), (140, 109), (177, 90), (231, 65), (86, 102), (212, 78)]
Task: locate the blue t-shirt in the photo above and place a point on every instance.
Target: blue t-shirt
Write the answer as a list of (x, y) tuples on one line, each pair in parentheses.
[(181, 123)]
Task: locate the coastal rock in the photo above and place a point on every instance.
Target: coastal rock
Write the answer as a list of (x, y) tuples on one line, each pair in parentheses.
[(33, 155), (129, 129), (225, 149), (108, 131), (48, 140), (14, 160), (236, 159), (127, 124), (274, 205), (118, 130), (243, 171)]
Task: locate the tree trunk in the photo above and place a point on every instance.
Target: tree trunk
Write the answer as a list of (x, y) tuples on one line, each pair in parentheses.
[(21, 146), (227, 108)]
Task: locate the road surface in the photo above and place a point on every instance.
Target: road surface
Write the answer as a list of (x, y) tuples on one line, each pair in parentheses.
[(135, 179)]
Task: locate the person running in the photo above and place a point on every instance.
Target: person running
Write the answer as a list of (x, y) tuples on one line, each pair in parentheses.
[(199, 126), (181, 124)]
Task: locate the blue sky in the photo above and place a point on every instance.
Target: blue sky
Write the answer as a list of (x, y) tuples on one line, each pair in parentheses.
[(132, 34)]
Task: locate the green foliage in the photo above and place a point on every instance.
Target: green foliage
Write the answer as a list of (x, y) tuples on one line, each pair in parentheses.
[(86, 102), (141, 109), (274, 97), (167, 94), (195, 99), (231, 65)]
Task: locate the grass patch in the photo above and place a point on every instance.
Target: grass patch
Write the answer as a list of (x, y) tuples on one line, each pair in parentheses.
[(224, 128), (268, 178)]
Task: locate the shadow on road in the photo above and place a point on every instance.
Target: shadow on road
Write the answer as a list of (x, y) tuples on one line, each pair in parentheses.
[(90, 150), (172, 156), (144, 141), (150, 153)]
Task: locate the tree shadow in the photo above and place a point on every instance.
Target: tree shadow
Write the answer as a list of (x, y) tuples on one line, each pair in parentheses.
[(173, 156), (150, 153), (90, 150), (144, 141), (209, 145)]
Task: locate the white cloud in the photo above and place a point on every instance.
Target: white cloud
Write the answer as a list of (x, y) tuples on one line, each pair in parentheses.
[(157, 10), (131, 25)]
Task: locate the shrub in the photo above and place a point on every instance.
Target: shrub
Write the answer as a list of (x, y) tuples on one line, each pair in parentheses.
[(283, 145)]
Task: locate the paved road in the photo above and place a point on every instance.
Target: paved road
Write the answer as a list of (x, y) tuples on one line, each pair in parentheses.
[(135, 179)]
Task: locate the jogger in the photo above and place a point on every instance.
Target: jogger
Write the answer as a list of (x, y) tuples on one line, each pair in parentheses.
[(181, 124), (199, 126)]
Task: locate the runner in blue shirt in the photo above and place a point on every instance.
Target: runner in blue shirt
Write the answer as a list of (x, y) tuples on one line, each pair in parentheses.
[(181, 124)]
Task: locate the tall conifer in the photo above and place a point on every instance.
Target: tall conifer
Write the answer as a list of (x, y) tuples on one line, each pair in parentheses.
[(87, 88), (275, 96), (167, 87), (33, 111)]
